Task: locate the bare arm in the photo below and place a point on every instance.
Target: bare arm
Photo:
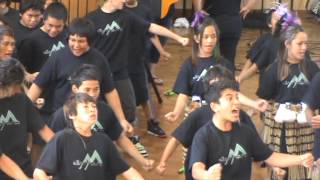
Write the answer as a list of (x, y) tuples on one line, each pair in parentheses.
[(127, 146), (247, 7), (181, 103), (156, 42), (9, 167), (34, 92), (46, 133), (198, 5), (162, 31), (168, 151), (39, 174), (245, 74), (114, 102), (259, 105), (286, 160), (132, 174), (199, 171)]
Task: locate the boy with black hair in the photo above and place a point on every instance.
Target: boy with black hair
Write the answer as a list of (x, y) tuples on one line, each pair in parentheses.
[(44, 41), (113, 27), (57, 70), (9, 14), (78, 152), (30, 18), (18, 117), (224, 148), (85, 79)]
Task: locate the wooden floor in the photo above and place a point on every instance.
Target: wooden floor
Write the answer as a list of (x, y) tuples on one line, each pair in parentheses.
[(168, 71)]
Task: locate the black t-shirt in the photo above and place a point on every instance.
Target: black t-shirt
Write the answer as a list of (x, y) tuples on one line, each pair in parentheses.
[(259, 46), (312, 99), (234, 149), (20, 33), (113, 31), (269, 54), (185, 132), (37, 47), (57, 70), (11, 17), (107, 121), (222, 7), (189, 79), (18, 117), (292, 89), (137, 48), (72, 156)]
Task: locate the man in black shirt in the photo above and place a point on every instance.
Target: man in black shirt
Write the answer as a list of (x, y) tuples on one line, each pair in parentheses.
[(9, 14), (224, 148), (44, 41)]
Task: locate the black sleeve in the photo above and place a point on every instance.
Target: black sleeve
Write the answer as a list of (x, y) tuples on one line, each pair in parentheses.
[(199, 149), (312, 97), (185, 132), (137, 24), (316, 149), (47, 73), (50, 157), (112, 126), (245, 119), (107, 84), (117, 164), (268, 83), (182, 84), (25, 53), (260, 151), (58, 120), (35, 123)]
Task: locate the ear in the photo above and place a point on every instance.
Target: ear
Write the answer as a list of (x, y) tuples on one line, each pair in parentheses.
[(74, 89), (196, 38), (72, 117), (286, 43), (215, 107)]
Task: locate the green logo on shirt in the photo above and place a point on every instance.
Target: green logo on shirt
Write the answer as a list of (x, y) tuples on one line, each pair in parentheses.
[(93, 160), (238, 153), (8, 120)]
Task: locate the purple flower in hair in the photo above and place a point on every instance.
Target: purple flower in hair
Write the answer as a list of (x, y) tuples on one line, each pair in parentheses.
[(198, 18), (290, 19), (281, 9)]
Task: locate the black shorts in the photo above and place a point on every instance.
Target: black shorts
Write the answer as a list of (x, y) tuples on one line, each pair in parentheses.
[(140, 86)]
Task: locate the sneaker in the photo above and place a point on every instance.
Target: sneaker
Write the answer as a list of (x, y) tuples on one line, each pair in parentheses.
[(155, 129), (136, 142)]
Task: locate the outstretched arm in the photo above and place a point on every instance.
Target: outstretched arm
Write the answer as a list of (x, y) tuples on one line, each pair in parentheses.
[(162, 31), (163, 53), (169, 149), (287, 160), (9, 167), (181, 103), (132, 174)]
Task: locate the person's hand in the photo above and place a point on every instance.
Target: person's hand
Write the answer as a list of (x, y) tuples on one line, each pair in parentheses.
[(165, 55), (161, 168), (126, 126), (306, 160), (244, 11), (148, 164), (183, 41), (315, 121), (193, 106), (215, 172), (171, 116), (280, 173), (261, 105)]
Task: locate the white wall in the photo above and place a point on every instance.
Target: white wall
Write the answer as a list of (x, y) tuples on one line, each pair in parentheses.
[(297, 4)]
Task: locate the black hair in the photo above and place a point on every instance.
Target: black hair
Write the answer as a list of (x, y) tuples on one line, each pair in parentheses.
[(218, 73), (269, 16), (5, 31), (70, 106), (82, 27), (25, 5), (84, 73), (198, 30), (56, 10), (12, 72), (8, 2), (215, 89)]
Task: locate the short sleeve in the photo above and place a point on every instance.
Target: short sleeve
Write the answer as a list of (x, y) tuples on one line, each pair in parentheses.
[(260, 151), (268, 83), (110, 122), (312, 97), (107, 84), (47, 73), (58, 120), (183, 81), (198, 149)]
